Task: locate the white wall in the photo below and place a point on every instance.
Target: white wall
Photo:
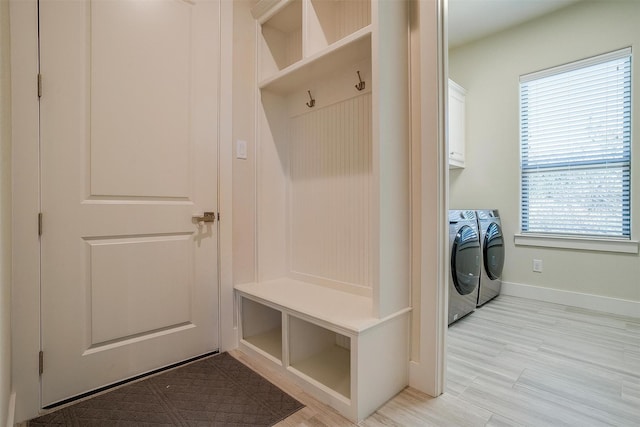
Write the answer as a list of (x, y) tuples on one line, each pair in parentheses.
[(5, 213), (489, 69)]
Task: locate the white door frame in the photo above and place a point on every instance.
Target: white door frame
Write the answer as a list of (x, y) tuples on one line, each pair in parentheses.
[(25, 297)]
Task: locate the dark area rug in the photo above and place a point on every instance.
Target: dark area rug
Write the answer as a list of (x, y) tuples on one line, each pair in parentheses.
[(216, 391)]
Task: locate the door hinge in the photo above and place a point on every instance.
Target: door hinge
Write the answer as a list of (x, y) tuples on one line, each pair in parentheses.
[(218, 216), (39, 223), (39, 85), (40, 362)]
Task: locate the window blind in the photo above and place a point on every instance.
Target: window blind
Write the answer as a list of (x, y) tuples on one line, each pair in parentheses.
[(575, 138)]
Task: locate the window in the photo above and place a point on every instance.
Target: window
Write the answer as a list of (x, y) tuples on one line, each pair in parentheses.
[(575, 139)]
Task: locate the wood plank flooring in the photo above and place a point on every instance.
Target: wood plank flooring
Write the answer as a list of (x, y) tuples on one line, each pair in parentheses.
[(514, 362)]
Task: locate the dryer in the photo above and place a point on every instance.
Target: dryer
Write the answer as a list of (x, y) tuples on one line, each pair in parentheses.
[(490, 228), (466, 257)]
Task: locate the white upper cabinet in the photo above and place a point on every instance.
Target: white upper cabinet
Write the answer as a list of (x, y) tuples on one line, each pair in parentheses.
[(457, 133)]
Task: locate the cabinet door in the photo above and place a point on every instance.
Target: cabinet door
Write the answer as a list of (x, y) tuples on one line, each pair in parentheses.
[(456, 125)]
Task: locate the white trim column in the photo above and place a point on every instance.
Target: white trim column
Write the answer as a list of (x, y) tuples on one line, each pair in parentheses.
[(429, 91)]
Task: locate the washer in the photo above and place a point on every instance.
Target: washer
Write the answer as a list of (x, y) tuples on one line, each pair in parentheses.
[(490, 229), (466, 257)]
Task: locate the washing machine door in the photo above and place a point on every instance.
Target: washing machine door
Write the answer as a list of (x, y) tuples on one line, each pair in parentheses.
[(465, 260), (493, 247)]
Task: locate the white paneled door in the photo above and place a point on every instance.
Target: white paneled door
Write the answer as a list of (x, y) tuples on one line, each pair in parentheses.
[(129, 138)]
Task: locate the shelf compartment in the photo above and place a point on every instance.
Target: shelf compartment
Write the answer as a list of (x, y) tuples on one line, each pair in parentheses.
[(352, 48), (262, 327), (331, 21), (321, 354), (282, 39)]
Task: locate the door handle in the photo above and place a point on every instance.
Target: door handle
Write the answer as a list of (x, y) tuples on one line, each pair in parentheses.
[(206, 217)]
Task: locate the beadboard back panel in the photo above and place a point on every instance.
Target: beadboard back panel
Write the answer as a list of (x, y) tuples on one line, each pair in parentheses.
[(351, 16), (281, 41), (293, 47), (330, 21), (286, 49), (330, 192)]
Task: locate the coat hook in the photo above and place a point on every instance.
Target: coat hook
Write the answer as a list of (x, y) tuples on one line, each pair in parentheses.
[(360, 85), (312, 101)]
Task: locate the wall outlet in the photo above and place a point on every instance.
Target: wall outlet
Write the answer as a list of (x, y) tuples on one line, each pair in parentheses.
[(537, 265)]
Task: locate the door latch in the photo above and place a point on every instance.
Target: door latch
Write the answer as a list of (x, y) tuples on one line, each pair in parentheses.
[(206, 217)]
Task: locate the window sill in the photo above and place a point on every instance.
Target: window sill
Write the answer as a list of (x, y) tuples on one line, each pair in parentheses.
[(580, 243)]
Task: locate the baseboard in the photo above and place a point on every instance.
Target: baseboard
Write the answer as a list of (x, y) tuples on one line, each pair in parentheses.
[(616, 306), (11, 410)]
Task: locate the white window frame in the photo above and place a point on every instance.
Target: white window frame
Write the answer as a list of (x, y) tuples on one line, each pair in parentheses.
[(558, 240)]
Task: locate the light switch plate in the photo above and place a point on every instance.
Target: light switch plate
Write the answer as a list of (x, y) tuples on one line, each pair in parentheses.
[(241, 149), (537, 265)]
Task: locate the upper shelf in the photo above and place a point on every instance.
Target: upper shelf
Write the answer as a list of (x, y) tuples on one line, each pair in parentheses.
[(354, 47)]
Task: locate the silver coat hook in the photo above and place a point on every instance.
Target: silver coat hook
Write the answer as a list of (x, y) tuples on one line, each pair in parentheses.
[(360, 85), (312, 101)]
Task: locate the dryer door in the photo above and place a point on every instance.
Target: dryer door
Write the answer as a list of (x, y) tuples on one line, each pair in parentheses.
[(465, 260), (493, 247)]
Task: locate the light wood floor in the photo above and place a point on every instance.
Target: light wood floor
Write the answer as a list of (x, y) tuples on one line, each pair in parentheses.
[(515, 362)]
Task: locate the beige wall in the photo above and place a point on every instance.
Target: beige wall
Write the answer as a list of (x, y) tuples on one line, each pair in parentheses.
[(244, 93), (5, 213), (489, 69)]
